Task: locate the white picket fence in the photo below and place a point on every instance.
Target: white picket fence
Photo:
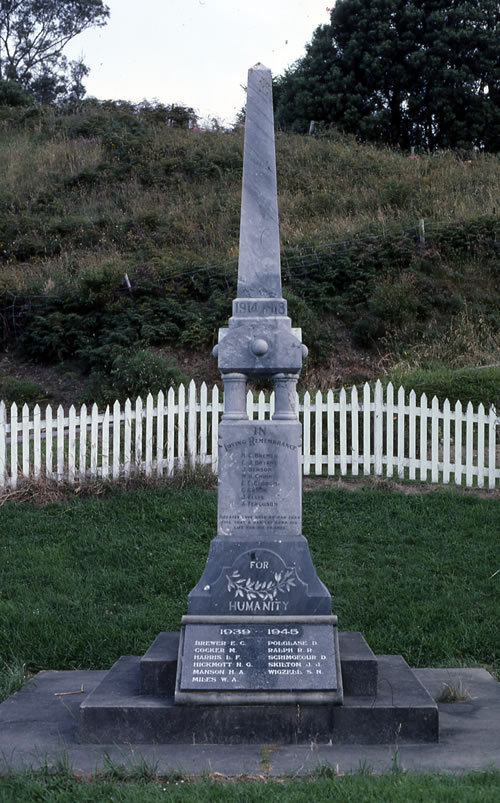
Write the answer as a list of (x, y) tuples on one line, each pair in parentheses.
[(392, 435)]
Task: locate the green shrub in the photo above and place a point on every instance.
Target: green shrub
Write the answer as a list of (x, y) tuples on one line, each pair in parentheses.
[(134, 373), (478, 385), (20, 391)]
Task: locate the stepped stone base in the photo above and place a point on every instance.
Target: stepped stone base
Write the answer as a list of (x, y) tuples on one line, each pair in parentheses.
[(384, 703)]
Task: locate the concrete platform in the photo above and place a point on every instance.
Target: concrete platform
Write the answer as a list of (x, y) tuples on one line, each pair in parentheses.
[(38, 727), (402, 709)]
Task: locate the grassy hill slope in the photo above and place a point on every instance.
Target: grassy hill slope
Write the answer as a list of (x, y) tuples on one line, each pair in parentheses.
[(112, 190)]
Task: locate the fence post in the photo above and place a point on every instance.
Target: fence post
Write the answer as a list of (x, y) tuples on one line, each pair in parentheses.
[(421, 232)]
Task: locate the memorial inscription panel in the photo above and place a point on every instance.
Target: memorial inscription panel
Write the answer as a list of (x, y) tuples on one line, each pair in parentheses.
[(257, 492), (258, 657)]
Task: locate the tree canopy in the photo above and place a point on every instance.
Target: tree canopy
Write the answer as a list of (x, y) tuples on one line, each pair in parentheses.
[(406, 72), (33, 35)]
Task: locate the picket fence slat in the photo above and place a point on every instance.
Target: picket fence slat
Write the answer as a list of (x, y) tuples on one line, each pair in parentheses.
[(318, 445), (82, 468), (330, 428), (127, 439), (117, 421), (366, 430), (215, 428), (71, 444), (181, 428), (306, 458), (446, 441), (389, 430), (343, 431), (105, 446), (458, 443), (481, 423), (492, 423), (354, 431), (170, 431), (203, 423), (163, 435), (138, 434), (94, 442)]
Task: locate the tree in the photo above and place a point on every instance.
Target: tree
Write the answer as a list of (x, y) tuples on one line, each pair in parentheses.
[(422, 72), (33, 35)]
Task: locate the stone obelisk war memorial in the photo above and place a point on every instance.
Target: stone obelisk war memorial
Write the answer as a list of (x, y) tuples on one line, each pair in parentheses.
[(259, 657)]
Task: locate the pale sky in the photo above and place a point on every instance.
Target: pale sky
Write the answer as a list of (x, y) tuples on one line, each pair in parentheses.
[(195, 52)]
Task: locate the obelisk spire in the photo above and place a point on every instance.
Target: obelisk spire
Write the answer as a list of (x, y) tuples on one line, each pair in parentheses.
[(259, 273)]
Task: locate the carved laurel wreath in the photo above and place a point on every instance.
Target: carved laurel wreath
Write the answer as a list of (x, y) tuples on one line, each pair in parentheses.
[(254, 589)]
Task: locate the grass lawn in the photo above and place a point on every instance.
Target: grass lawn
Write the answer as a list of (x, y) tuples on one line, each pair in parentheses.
[(396, 787), (83, 581)]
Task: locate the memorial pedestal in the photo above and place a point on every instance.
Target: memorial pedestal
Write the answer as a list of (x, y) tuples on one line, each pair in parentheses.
[(384, 703), (241, 660)]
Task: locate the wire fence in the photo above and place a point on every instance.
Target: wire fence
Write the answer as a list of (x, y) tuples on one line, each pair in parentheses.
[(16, 310)]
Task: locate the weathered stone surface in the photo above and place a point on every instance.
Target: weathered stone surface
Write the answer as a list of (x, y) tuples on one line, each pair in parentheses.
[(237, 570), (358, 665), (258, 660), (159, 665), (259, 478), (401, 713), (259, 255), (38, 729)]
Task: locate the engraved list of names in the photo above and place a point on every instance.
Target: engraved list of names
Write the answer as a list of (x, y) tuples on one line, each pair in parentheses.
[(254, 480), (258, 657)]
